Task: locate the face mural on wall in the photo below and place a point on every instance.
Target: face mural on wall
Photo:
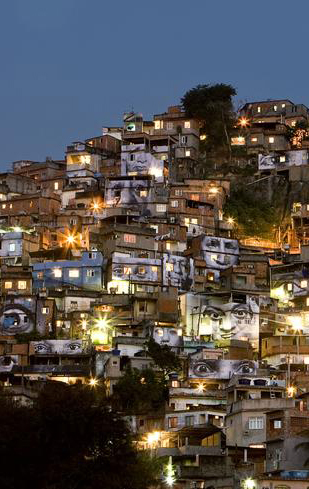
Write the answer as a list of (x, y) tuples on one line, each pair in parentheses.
[(267, 162), (231, 320), (219, 369), (126, 192), (16, 319), (168, 336), (135, 269), (178, 271), (219, 253), (62, 347), (7, 362)]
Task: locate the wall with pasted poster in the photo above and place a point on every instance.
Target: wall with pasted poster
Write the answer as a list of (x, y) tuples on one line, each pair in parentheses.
[(219, 253), (178, 271), (200, 368), (136, 269), (60, 347)]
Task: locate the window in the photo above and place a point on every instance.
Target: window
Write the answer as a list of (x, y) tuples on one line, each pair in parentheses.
[(174, 203), (189, 420), (142, 306), (169, 125), (293, 123), (194, 221), (3, 206), (12, 246), (92, 255), (143, 193), (303, 284), (132, 157), (40, 275), (214, 257), (187, 125), (11, 206), (210, 276), (158, 124), (57, 273), (169, 267), (141, 270), (259, 109), (22, 284), (73, 304), (175, 383), (256, 423), (8, 285), (253, 140), (90, 272), (184, 139), (277, 423), (168, 245), (275, 108), (45, 310), (271, 139), (56, 185), (290, 287), (307, 301), (173, 422), (283, 106), (127, 270), (72, 222), (159, 332), (282, 159), (161, 207), (73, 273), (178, 192), (188, 152), (129, 238)]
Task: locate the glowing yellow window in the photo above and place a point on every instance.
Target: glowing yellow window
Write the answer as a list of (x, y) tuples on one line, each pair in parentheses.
[(8, 285), (22, 284)]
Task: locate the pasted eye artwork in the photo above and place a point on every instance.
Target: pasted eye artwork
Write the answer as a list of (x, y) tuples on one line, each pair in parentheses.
[(219, 253)]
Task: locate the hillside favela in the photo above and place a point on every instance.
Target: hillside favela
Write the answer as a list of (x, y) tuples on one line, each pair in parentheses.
[(154, 308)]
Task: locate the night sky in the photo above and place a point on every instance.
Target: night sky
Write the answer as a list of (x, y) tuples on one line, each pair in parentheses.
[(69, 67)]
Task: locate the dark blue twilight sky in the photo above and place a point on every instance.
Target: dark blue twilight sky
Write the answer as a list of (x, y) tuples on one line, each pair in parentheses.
[(70, 66)]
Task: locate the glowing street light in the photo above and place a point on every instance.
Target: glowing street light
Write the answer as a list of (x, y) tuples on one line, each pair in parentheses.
[(200, 388), (249, 483), (153, 437), (291, 391), (169, 478), (93, 382), (243, 122), (70, 239), (230, 220), (296, 322)]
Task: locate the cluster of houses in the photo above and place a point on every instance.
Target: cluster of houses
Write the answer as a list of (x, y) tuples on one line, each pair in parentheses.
[(123, 241)]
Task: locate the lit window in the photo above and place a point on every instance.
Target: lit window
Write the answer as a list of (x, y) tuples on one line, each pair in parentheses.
[(290, 287), (90, 273), (275, 108), (253, 140), (73, 273), (143, 193), (129, 238), (256, 423), (173, 422), (161, 207), (8, 285), (3, 206), (174, 203), (303, 284), (169, 267), (22, 284), (282, 159), (307, 301), (271, 139), (159, 332), (283, 106), (277, 423), (188, 152), (154, 269), (169, 125), (214, 257), (158, 124), (12, 246), (193, 221), (259, 109), (187, 125), (168, 245), (11, 206), (127, 270), (187, 221), (175, 383), (56, 185), (307, 207), (178, 192), (293, 123), (31, 203), (45, 310), (57, 273), (141, 270)]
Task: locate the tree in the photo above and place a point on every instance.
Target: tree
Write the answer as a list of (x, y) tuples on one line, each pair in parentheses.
[(69, 440), (163, 357), (140, 391), (212, 106)]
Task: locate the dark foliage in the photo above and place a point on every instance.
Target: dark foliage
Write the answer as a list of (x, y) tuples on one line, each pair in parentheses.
[(69, 440)]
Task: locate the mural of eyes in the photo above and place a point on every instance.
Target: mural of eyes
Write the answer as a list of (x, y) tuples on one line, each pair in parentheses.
[(241, 313), (203, 368), (245, 367), (43, 348), (213, 243), (214, 314), (230, 246), (72, 347)]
